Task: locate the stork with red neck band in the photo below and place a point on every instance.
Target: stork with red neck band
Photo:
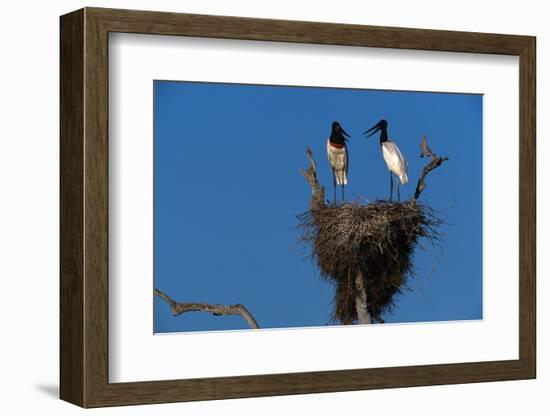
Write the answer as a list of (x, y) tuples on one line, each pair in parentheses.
[(338, 157)]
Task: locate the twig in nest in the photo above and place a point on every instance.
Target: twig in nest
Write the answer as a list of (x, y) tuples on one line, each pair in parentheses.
[(436, 161), (178, 308)]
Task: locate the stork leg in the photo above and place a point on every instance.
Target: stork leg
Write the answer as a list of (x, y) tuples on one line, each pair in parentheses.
[(333, 188), (391, 186), (398, 193), (343, 192)]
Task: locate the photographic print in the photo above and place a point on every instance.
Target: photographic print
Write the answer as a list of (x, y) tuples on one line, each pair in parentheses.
[(295, 207)]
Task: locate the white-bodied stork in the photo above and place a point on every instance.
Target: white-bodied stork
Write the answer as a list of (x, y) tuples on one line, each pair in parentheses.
[(395, 161), (338, 158)]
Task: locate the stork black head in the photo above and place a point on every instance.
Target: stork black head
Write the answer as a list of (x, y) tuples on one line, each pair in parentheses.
[(382, 127), (338, 134)]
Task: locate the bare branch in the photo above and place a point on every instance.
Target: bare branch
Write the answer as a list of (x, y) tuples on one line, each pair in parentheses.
[(310, 175), (436, 161), (309, 154), (425, 150), (363, 315), (178, 308)]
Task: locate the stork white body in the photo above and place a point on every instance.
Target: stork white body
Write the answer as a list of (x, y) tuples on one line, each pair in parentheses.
[(395, 161), (338, 161)]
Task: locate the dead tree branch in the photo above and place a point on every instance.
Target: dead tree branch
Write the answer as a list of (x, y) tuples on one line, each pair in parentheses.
[(310, 175), (178, 308), (436, 161)]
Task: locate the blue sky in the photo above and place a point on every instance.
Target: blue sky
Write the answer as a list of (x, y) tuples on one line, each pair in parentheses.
[(228, 189)]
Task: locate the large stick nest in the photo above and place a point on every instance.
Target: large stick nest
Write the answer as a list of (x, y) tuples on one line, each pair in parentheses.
[(376, 239)]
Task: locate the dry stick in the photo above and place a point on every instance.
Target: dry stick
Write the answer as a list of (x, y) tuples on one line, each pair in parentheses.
[(310, 175), (363, 315), (436, 161), (178, 308)]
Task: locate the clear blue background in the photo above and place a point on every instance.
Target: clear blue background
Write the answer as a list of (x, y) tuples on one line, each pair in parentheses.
[(228, 189)]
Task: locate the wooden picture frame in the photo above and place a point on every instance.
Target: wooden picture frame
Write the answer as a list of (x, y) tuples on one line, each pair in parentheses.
[(84, 207)]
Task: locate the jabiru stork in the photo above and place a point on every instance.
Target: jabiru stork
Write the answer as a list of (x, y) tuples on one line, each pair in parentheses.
[(338, 157), (395, 161)]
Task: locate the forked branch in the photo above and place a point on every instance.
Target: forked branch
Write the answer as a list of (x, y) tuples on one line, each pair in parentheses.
[(178, 308), (436, 161)]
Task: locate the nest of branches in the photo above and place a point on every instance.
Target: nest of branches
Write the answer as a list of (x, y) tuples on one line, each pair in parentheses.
[(373, 240)]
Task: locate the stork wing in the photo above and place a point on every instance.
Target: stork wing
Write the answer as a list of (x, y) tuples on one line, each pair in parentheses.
[(346, 167), (329, 155), (396, 154), (330, 160), (395, 160)]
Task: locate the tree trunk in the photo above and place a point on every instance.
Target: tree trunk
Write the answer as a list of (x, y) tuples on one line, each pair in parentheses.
[(363, 315)]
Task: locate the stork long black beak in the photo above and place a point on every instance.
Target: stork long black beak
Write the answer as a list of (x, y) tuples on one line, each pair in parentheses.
[(372, 130), (345, 133)]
